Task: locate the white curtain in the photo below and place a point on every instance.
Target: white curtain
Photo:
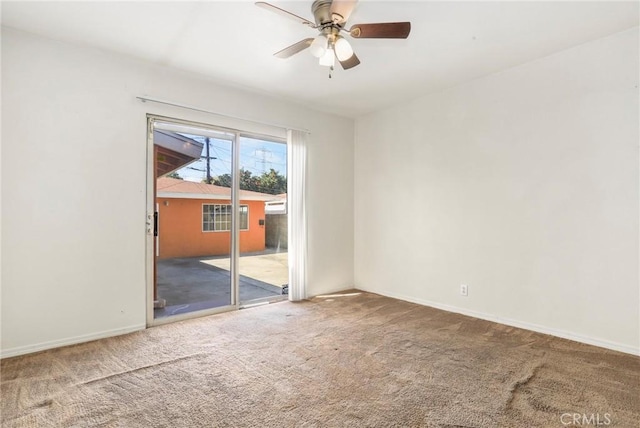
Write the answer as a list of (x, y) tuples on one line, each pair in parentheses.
[(297, 215)]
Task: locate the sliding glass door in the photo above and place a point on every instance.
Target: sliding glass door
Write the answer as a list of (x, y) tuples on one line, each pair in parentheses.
[(208, 207), (262, 265)]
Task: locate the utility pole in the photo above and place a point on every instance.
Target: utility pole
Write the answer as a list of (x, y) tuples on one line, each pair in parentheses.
[(209, 180)]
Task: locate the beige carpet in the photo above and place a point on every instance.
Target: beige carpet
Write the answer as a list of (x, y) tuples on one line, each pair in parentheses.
[(360, 360)]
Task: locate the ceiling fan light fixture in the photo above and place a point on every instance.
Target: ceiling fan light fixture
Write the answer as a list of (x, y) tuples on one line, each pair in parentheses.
[(319, 46), (329, 58), (344, 51)]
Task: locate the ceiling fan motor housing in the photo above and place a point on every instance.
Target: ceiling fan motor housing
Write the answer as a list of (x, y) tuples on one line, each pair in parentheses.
[(321, 10)]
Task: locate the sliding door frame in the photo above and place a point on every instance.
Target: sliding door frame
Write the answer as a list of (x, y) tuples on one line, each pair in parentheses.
[(150, 210), (235, 218)]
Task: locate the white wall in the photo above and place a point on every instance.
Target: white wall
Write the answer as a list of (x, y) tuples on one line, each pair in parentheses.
[(74, 186), (523, 185)]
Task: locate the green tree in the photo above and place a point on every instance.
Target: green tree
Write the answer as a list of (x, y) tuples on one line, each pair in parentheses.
[(175, 175), (270, 182), (223, 180), (273, 182)]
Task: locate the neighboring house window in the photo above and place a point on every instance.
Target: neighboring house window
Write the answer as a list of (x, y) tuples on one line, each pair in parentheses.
[(217, 218)]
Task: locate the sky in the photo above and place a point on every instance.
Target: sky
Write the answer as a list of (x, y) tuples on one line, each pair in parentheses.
[(256, 155)]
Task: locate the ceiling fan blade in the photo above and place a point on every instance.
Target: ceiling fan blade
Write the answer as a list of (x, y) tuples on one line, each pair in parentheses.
[(383, 30), (341, 10), (350, 63), (294, 48), (286, 14)]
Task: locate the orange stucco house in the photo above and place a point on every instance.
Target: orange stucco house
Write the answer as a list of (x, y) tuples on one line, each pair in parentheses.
[(194, 219)]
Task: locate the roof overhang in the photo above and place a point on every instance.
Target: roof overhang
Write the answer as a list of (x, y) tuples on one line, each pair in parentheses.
[(174, 151)]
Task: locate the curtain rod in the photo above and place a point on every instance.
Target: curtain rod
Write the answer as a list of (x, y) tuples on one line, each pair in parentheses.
[(170, 103)]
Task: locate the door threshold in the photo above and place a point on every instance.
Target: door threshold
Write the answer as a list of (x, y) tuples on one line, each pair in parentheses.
[(191, 315), (262, 301)]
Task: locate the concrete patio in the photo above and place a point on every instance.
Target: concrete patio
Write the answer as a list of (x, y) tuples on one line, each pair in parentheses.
[(198, 283)]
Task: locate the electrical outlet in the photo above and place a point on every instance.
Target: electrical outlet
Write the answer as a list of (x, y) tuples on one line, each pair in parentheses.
[(464, 290)]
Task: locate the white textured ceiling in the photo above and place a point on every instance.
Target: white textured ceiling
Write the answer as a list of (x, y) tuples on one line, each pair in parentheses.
[(233, 41)]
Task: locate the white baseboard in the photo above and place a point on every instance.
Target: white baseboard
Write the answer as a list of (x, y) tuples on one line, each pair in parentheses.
[(515, 323), (21, 350)]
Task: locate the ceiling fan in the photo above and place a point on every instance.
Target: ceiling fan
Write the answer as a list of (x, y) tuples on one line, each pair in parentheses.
[(330, 20)]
